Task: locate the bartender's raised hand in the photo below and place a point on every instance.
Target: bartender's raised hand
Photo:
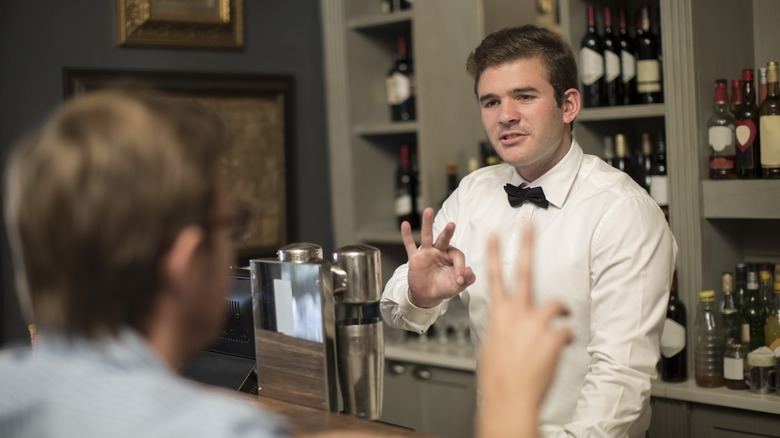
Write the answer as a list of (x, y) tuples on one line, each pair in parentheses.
[(437, 270), (520, 349)]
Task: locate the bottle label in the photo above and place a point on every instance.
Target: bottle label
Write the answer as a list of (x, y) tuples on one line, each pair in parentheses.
[(720, 138), (648, 76), (612, 63), (399, 88), (628, 63), (403, 205), (769, 127), (591, 65), (746, 134), (733, 369), (659, 189), (672, 338)]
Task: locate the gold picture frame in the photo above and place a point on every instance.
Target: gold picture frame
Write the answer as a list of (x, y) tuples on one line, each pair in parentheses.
[(205, 24), (258, 111)]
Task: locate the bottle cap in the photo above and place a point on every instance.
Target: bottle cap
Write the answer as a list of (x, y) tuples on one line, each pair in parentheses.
[(747, 74), (707, 295), (721, 94), (771, 71)]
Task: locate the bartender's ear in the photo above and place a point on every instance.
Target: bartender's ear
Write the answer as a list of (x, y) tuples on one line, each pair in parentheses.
[(179, 264), (571, 104)]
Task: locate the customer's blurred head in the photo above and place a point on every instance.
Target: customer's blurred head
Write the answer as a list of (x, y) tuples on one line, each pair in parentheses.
[(110, 205)]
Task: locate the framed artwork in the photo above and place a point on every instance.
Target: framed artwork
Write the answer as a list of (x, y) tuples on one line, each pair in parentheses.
[(208, 24), (257, 109)]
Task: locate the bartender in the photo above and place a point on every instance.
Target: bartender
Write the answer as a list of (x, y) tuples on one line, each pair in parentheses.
[(603, 247)]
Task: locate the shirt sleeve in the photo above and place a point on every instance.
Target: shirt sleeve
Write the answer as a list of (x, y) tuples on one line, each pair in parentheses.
[(632, 261), (395, 306)]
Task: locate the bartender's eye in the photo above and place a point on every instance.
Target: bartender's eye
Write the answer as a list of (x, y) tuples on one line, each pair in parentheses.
[(525, 97), (489, 103)]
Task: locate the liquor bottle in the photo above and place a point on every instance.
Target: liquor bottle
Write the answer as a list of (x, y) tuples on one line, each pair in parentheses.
[(613, 85), (761, 85), (673, 364), (627, 61), (622, 160), (736, 95), (734, 364), (740, 285), (592, 64), (609, 150), (732, 326), (772, 327), (746, 131), (648, 69), (645, 161), (659, 188), (753, 312), (406, 191), (720, 133), (765, 286), (769, 125), (708, 343), (400, 85)]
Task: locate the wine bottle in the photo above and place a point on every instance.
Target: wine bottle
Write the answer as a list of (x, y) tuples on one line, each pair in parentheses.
[(649, 88), (720, 134), (627, 62), (645, 161), (753, 312), (452, 179), (673, 340), (740, 285), (613, 84), (746, 130), (622, 160), (609, 150), (406, 191), (592, 64), (400, 85), (659, 187), (736, 95), (769, 125)]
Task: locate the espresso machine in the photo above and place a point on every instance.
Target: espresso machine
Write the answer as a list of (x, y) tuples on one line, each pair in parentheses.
[(313, 344)]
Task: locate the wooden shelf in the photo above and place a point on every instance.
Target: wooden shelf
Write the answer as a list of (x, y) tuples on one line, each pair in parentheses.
[(621, 112), (741, 199), (387, 128), (380, 21)]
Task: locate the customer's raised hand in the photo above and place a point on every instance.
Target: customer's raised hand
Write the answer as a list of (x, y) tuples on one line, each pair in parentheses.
[(520, 350), (437, 270)]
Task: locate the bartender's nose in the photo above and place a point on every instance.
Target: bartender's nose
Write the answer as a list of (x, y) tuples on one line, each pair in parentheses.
[(509, 115)]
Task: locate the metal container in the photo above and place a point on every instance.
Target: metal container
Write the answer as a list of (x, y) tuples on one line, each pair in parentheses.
[(361, 358), (363, 269)]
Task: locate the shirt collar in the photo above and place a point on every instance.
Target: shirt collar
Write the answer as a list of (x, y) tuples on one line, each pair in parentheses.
[(557, 182)]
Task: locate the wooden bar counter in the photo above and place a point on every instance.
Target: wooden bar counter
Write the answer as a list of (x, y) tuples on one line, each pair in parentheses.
[(305, 420)]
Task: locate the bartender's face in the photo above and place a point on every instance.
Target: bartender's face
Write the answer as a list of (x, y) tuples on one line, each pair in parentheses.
[(525, 125)]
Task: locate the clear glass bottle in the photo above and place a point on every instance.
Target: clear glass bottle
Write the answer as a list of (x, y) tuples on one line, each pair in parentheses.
[(708, 343), (734, 365), (732, 327), (720, 135)]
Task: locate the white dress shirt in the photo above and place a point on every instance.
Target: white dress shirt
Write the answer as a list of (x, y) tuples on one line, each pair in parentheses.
[(604, 248), (118, 387)]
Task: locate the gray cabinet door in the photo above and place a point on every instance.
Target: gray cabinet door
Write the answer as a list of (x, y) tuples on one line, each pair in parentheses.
[(717, 422), (430, 399)]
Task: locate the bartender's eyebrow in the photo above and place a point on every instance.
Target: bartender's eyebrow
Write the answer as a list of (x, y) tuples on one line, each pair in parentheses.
[(520, 90)]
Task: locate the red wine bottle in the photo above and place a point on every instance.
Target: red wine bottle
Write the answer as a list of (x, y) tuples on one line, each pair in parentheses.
[(613, 84), (400, 86), (592, 64), (746, 129), (648, 68), (627, 62), (674, 366), (406, 191)]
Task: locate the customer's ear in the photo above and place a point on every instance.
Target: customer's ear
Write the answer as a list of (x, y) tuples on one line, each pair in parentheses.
[(180, 263)]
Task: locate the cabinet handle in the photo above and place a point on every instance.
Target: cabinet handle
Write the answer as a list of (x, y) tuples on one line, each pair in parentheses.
[(397, 369), (423, 373)]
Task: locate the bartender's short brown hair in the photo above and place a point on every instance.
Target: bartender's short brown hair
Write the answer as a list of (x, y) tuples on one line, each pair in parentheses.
[(95, 198), (515, 43)]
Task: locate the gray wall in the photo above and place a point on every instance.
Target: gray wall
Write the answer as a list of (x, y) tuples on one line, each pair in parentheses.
[(39, 38)]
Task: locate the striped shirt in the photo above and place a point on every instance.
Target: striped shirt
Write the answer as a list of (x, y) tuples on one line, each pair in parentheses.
[(115, 388)]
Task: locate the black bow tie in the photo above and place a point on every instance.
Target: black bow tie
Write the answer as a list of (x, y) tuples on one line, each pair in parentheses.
[(519, 194)]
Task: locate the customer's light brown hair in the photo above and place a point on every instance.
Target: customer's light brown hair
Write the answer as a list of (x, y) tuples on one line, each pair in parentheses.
[(95, 198), (515, 43)]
